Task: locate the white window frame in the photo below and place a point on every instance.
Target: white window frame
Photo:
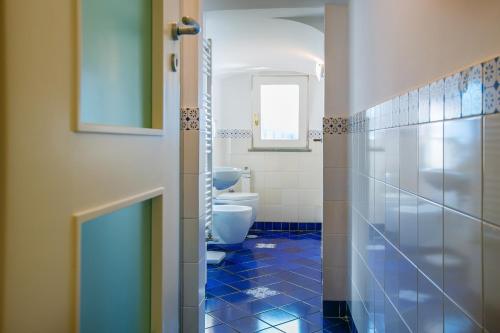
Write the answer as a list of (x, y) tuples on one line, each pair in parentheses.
[(303, 82)]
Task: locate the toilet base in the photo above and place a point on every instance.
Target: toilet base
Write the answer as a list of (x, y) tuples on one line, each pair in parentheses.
[(215, 257)]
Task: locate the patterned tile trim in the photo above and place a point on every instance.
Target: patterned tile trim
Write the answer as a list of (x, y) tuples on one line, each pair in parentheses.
[(190, 119), (287, 226), (315, 134), (471, 92), (233, 133), (491, 80), (335, 125)]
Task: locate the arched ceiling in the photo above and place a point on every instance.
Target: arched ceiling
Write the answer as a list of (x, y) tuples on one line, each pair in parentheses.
[(265, 40), (210, 5)]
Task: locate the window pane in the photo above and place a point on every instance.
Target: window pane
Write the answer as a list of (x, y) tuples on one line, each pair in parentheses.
[(279, 111)]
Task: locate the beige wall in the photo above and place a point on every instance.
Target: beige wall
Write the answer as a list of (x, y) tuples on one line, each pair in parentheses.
[(397, 45), (336, 60)]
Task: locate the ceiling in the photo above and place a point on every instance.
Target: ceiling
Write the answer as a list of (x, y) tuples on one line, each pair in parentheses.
[(258, 40), (210, 5)]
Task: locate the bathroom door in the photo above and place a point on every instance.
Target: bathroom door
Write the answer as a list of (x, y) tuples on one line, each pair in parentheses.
[(57, 176)]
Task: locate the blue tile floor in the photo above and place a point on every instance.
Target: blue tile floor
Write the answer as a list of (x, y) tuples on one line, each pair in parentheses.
[(269, 284)]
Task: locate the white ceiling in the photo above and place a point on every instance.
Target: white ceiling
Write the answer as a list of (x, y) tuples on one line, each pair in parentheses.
[(265, 40), (210, 5)]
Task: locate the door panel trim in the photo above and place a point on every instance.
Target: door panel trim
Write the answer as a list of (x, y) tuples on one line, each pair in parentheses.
[(82, 217), (157, 84)]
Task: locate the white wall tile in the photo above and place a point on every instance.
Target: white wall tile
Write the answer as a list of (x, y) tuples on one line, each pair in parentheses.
[(193, 283), (335, 151), (408, 225), (423, 104), (491, 249), (437, 100), (462, 262), (193, 319), (472, 93), (392, 156), (379, 217), (269, 213), (430, 161), (307, 213), (463, 165), (455, 320), (290, 197), (445, 279), (193, 199), (379, 152), (273, 180), (310, 180), (334, 250), (370, 153), (335, 283), (290, 213), (430, 307), (430, 240), (191, 152), (392, 214), (413, 107), (408, 158), (335, 217), (290, 180), (391, 273), (193, 231), (310, 197), (272, 196), (335, 184), (453, 98), (491, 179), (408, 292)]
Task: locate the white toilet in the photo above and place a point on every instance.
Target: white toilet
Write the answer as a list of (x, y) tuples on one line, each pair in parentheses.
[(233, 212), (239, 199), (231, 223)]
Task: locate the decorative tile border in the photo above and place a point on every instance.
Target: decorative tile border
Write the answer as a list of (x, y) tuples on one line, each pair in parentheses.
[(491, 81), (471, 92), (286, 226), (315, 134), (190, 119), (233, 133), (335, 125)]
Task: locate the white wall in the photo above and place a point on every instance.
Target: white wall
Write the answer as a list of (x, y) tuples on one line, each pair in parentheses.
[(248, 42), (398, 45), (289, 184), (232, 102)]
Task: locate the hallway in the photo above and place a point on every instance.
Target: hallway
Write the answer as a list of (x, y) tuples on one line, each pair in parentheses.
[(271, 283)]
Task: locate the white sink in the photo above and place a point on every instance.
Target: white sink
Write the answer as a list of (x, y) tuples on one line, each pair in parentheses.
[(225, 177)]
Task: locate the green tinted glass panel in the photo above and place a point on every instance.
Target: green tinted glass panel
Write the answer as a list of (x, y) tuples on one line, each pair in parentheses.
[(116, 272), (116, 73)]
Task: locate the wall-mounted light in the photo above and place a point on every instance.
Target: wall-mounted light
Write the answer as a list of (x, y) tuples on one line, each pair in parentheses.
[(320, 71)]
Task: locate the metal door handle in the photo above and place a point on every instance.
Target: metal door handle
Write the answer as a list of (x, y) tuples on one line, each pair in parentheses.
[(192, 27)]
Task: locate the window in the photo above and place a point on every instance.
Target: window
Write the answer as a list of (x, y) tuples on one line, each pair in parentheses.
[(280, 111)]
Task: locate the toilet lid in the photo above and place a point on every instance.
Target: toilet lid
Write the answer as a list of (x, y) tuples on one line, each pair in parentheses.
[(237, 196)]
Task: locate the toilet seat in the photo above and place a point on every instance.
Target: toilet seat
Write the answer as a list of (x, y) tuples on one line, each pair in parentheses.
[(241, 199), (231, 208), (237, 196)]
